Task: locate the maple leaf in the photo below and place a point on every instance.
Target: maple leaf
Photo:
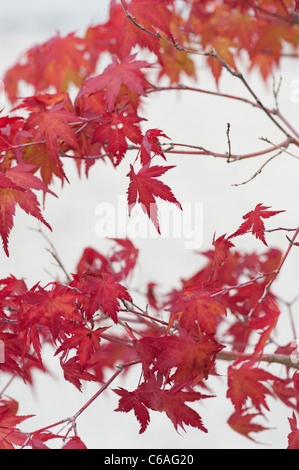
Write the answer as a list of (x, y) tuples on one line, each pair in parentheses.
[(293, 436), (150, 145), (125, 72), (254, 222), (53, 126), (189, 358), (85, 340), (266, 322), (57, 62), (114, 129), (242, 423), (105, 293), (72, 372), (222, 246), (172, 401), (130, 401), (74, 443), (145, 187), (126, 256), (10, 435), (51, 308), (15, 188), (245, 382), (197, 312)]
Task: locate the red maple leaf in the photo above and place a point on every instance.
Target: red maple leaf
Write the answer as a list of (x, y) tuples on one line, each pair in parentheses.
[(245, 382), (197, 312), (105, 293), (73, 372), (293, 436), (53, 308), (150, 145), (254, 223), (52, 126), (125, 72), (126, 256), (15, 188), (85, 340), (113, 131), (130, 401), (144, 188), (172, 401), (242, 423), (10, 435)]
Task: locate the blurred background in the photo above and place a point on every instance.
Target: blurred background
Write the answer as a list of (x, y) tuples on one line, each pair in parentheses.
[(185, 117)]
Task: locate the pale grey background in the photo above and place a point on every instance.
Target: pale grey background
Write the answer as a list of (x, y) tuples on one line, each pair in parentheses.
[(188, 118)]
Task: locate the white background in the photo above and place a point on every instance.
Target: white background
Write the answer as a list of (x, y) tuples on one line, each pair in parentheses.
[(188, 118)]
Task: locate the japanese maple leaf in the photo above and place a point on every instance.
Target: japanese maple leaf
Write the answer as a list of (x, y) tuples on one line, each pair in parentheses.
[(222, 246), (189, 359), (72, 372), (242, 423), (10, 435), (15, 188), (125, 72), (130, 401), (125, 254), (113, 131), (145, 187), (53, 126), (254, 222), (52, 308), (105, 293), (245, 382), (293, 436), (150, 145), (265, 322), (172, 401), (85, 340), (197, 312), (74, 443)]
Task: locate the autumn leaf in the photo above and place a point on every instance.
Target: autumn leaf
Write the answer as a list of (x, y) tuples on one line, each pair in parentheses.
[(125, 72), (73, 373), (124, 254), (197, 312), (129, 401), (51, 308), (53, 126), (171, 401), (242, 423), (293, 436), (10, 435), (58, 62), (84, 340), (144, 188), (150, 146), (114, 130), (15, 189), (105, 293), (254, 223), (245, 382), (74, 443)]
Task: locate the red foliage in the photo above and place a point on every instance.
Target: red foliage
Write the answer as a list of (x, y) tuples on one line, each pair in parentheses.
[(227, 310)]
